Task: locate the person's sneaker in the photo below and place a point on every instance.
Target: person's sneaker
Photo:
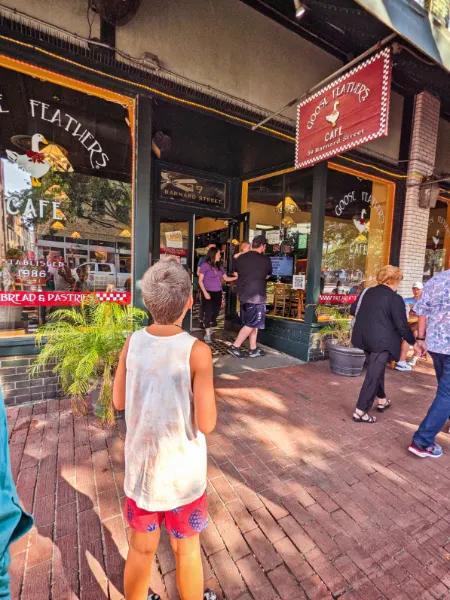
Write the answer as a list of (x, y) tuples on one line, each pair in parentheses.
[(207, 339), (237, 352), (413, 361), (403, 366), (434, 451), (256, 353), (208, 594), (153, 596)]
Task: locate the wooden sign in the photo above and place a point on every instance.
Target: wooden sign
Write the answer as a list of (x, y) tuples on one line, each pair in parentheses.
[(349, 112)]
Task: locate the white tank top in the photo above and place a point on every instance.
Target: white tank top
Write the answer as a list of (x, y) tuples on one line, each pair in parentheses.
[(165, 454)]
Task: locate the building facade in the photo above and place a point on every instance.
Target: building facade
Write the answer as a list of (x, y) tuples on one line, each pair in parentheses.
[(117, 147)]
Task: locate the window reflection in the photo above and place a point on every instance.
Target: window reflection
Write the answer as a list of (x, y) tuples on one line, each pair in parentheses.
[(437, 255), (65, 200), (356, 232)]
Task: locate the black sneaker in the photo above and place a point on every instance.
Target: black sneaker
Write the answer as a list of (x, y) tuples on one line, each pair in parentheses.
[(256, 353), (208, 594), (237, 352), (153, 596), (434, 451)]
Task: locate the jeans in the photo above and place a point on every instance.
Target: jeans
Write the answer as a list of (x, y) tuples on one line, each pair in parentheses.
[(439, 411), (373, 385)]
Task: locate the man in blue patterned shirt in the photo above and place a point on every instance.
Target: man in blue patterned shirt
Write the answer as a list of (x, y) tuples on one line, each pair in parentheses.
[(433, 310)]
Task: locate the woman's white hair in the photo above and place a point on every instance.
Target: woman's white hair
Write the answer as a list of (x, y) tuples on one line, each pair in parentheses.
[(166, 288)]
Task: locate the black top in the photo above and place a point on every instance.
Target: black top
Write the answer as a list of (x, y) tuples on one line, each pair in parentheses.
[(381, 323), (252, 269)]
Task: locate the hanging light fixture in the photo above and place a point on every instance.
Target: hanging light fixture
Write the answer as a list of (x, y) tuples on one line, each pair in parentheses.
[(288, 222), (57, 225), (290, 206), (57, 157), (75, 235), (125, 233), (300, 9), (57, 193), (59, 213)]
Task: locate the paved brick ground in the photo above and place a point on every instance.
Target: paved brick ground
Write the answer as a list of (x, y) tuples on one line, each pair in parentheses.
[(303, 502)]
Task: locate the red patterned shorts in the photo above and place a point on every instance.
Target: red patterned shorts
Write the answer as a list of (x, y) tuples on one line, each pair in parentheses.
[(183, 522)]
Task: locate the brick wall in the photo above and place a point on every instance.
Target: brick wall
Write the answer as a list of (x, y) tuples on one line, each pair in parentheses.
[(421, 162), (17, 385)]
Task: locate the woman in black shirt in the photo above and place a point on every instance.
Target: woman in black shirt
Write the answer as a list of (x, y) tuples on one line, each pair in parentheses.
[(380, 326)]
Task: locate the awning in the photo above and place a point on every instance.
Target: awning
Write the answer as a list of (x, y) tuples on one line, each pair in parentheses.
[(427, 31)]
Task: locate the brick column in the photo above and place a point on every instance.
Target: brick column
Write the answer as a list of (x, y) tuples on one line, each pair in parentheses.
[(422, 155)]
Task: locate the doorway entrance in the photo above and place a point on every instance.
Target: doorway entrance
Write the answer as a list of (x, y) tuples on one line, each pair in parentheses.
[(187, 235)]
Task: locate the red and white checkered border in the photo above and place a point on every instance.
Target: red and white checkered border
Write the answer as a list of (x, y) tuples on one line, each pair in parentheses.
[(384, 55), (113, 296)]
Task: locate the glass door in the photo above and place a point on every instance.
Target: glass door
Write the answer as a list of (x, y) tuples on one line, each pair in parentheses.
[(174, 235)]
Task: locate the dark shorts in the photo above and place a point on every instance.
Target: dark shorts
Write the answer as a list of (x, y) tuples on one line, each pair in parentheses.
[(183, 522), (253, 315)]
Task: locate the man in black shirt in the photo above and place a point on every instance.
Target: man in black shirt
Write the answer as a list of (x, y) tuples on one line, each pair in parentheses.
[(253, 269)]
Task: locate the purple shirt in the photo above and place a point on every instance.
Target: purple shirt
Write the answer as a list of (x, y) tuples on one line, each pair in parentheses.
[(212, 277)]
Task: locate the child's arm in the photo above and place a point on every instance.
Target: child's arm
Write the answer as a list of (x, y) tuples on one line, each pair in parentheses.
[(203, 387), (120, 379)]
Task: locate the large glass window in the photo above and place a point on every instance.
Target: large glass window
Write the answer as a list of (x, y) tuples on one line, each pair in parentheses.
[(357, 229), (66, 199), (437, 255), (280, 208), (357, 233)]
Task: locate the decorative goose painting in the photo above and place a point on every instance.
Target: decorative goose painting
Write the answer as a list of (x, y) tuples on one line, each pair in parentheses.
[(37, 161)]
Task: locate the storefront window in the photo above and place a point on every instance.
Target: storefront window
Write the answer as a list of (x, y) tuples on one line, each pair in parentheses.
[(437, 255), (66, 199), (280, 208), (357, 229)]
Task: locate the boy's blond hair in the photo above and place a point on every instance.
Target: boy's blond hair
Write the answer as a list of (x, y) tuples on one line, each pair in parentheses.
[(166, 288)]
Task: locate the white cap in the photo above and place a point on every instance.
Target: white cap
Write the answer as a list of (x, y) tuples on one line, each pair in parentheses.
[(418, 285)]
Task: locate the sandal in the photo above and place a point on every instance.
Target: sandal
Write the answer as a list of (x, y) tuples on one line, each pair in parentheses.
[(382, 407), (360, 418)]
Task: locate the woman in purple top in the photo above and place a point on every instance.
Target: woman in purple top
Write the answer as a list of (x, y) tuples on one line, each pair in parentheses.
[(210, 280)]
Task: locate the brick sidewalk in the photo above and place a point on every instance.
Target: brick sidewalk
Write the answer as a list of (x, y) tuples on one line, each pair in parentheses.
[(303, 502)]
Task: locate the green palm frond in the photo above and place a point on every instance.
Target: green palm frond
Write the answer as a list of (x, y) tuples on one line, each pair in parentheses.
[(337, 328), (82, 347)]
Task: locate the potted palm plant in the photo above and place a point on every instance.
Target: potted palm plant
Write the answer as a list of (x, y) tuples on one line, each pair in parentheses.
[(336, 338), (82, 346)]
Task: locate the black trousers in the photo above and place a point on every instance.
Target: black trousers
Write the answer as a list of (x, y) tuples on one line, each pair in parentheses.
[(373, 386), (211, 308)]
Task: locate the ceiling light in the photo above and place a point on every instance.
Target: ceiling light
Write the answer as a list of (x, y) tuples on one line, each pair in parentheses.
[(288, 222), (75, 235), (57, 157), (266, 227), (289, 207), (57, 225), (300, 9), (125, 233)]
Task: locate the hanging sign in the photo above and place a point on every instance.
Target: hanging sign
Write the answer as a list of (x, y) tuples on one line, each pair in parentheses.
[(349, 112), (178, 187), (273, 237), (174, 239), (60, 298)]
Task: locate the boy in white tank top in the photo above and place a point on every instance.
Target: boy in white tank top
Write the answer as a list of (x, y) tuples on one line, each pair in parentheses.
[(164, 382)]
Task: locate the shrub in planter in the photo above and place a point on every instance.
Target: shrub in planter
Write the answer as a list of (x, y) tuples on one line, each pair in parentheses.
[(336, 338), (84, 345)]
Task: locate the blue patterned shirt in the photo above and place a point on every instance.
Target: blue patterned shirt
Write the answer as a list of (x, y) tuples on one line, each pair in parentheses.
[(435, 305)]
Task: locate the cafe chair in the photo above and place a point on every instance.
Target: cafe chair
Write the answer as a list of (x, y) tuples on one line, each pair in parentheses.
[(281, 300), (296, 304)]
